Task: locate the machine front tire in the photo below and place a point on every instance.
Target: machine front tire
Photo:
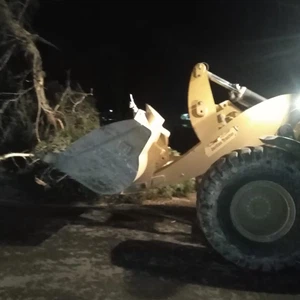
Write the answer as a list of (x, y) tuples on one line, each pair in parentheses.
[(249, 210)]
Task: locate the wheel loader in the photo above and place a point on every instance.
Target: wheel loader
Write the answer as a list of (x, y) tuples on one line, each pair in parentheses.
[(246, 167)]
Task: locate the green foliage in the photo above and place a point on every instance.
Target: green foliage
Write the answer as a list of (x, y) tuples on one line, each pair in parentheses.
[(79, 116), (177, 190), (167, 192)]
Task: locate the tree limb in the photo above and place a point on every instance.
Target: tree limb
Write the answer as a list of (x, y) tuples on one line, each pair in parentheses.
[(23, 10), (17, 97), (11, 155), (26, 41), (5, 58)]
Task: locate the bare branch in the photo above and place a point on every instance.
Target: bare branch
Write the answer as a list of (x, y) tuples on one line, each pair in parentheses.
[(40, 182), (9, 101), (47, 42), (12, 155), (27, 41), (23, 10), (61, 178), (69, 93), (83, 96), (6, 57)]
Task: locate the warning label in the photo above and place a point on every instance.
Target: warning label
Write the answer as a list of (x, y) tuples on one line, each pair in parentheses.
[(220, 142)]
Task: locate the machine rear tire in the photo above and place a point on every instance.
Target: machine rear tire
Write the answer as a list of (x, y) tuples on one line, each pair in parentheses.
[(246, 241)]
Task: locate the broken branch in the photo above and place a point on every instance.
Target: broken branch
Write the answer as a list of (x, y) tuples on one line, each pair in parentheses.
[(12, 155)]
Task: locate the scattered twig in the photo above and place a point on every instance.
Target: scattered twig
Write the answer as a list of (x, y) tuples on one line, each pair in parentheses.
[(11, 155), (40, 182), (34, 162), (61, 178)]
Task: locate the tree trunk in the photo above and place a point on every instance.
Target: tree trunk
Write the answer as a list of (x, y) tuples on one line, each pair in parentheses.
[(27, 41)]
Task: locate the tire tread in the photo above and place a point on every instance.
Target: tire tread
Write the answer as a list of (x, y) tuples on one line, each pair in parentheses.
[(206, 194)]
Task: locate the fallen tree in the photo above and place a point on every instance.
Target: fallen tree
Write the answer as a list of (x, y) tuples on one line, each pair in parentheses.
[(12, 16), (53, 119), (37, 117)]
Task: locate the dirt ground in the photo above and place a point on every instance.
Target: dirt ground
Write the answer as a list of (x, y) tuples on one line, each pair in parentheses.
[(149, 251)]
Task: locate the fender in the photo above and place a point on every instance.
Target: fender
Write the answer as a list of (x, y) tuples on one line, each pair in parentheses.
[(285, 143)]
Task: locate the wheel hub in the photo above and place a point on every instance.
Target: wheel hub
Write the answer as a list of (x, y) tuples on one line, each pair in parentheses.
[(262, 211), (258, 207)]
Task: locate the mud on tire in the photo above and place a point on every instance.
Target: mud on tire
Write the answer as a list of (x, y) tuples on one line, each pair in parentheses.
[(214, 197)]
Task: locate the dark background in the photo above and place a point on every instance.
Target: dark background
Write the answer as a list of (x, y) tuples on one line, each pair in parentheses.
[(149, 48)]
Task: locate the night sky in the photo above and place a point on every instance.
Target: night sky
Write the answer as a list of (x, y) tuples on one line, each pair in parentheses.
[(149, 48)]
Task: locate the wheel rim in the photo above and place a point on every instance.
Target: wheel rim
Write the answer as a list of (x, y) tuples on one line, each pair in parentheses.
[(263, 211)]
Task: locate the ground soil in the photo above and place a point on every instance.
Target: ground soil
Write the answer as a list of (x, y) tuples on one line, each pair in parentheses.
[(148, 250)]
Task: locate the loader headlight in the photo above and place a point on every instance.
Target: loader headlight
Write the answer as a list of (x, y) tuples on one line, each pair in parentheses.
[(297, 103), (294, 116)]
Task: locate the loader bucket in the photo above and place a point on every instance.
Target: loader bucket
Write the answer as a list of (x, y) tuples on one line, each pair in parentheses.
[(106, 160)]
